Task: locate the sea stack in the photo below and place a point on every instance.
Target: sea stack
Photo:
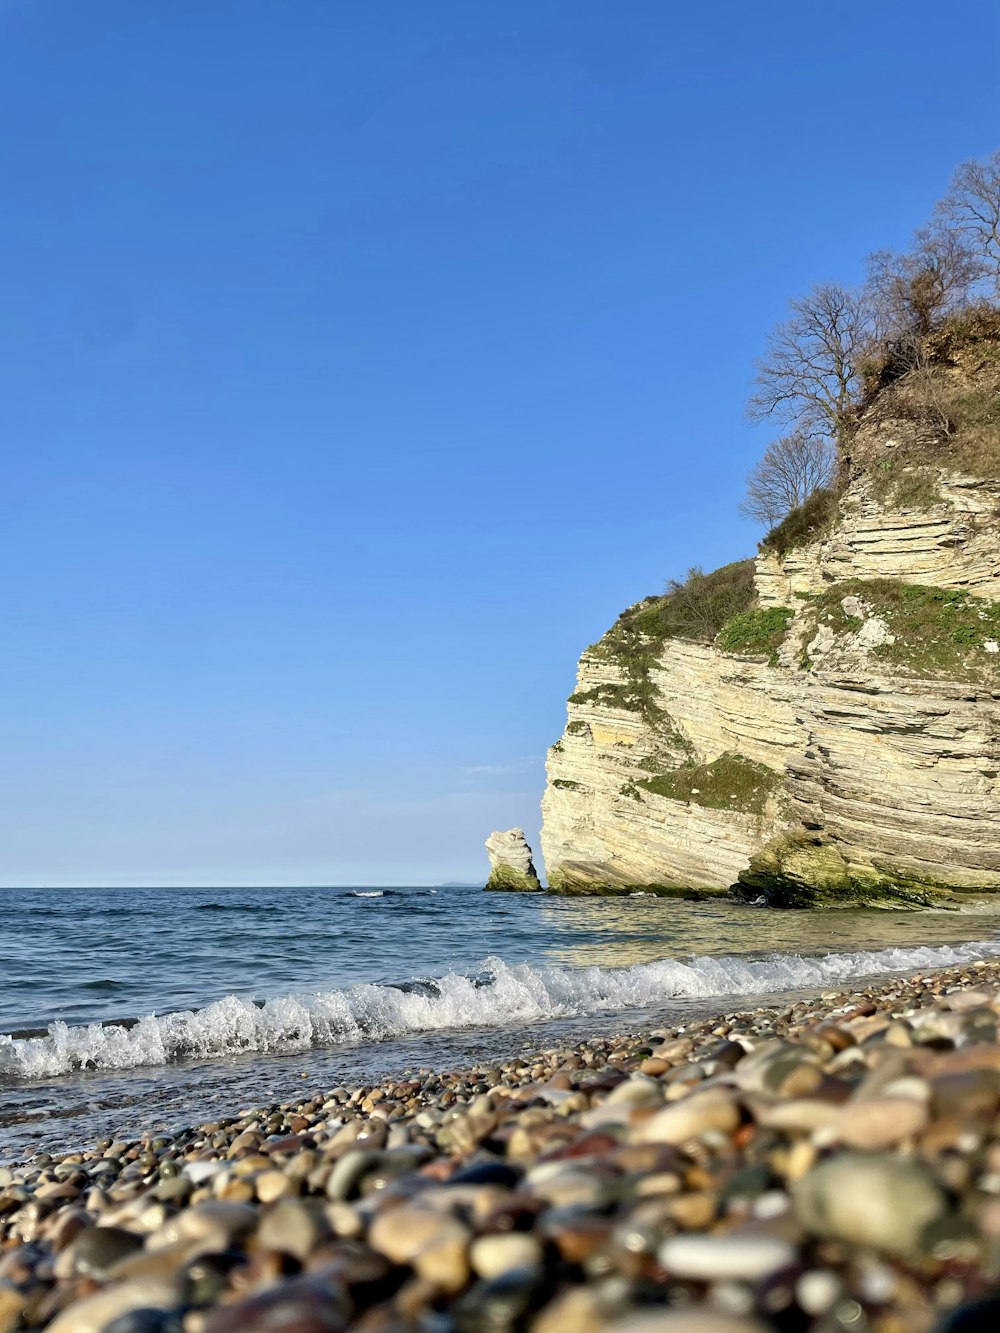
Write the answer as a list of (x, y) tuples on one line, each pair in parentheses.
[(511, 866)]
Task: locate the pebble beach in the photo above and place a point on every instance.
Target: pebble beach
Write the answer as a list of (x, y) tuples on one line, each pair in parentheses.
[(833, 1164)]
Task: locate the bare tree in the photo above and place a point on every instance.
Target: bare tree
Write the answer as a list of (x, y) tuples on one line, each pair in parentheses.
[(809, 375), (972, 207), (792, 469), (908, 294)]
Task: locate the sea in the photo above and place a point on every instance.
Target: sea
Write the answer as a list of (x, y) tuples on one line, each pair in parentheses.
[(127, 1010)]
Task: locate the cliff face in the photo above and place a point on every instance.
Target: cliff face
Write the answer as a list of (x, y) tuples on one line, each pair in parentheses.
[(838, 739)]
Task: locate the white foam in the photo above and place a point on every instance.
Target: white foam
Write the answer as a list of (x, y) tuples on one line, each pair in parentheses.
[(368, 893), (502, 996)]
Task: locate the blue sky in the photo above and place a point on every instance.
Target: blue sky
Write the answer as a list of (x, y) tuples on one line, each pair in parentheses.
[(361, 361)]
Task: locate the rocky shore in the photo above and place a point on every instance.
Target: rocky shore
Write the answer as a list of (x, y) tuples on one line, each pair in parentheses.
[(831, 1165)]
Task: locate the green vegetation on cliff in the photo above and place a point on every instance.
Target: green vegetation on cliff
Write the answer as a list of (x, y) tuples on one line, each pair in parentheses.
[(695, 609), (941, 633), (756, 633), (806, 523), (705, 608), (731, 782)]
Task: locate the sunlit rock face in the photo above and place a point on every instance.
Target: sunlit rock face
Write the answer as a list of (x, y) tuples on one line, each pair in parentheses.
[(511, 866), (849, 754)]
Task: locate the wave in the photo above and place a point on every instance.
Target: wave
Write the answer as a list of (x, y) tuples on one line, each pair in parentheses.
[(367, 893), (499, 996)]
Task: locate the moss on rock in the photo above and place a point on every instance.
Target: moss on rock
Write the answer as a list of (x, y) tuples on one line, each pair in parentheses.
[(802, 870), (509, 880)]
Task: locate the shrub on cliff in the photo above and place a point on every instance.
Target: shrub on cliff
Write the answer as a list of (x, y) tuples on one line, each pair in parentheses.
[(805, 523), (698, 606)]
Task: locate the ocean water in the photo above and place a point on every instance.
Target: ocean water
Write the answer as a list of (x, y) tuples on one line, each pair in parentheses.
[(122, 1010)]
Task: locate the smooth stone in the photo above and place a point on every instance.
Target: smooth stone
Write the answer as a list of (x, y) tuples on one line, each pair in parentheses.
[(348, 1172), (213, 1224), (685, 1321), (492, 1255), (568, 1187), (444, 1260), (301, 1305), (174, 1189), (487, 1173), (799, 1115), (293, 1226), (99, 1248), (745, 1257), (94, 1313), (199, 1172), (869, 1199), (817, 1290), (639, 1090), (271, 1185), (401, 1233), (881, 1122), (690, 1118), (146, 1321), (498, 1305)]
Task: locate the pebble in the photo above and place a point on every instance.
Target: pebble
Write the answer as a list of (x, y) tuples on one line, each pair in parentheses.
[(707, 1258), (867, 1199), (492, 1255), (881, 1122), (94, 1313), (690, 1118), (831, 1164)]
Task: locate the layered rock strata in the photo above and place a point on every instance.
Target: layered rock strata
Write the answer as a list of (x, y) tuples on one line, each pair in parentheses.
[(847, 751), (511, 866)]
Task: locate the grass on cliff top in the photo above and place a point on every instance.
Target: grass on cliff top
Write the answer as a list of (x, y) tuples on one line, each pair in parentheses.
[(808, 523), (731, 782), (696, 608), (939, 632)]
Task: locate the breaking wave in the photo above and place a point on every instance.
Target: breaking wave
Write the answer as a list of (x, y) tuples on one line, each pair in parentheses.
[(498, 996)]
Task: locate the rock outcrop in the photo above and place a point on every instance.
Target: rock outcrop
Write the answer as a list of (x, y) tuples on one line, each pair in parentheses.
[(511, 866), (837, 740)]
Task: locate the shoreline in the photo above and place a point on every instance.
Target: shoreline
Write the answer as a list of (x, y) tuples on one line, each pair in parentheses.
[(830, 1162)]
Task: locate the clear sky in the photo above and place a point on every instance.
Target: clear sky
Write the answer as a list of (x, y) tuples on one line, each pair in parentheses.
[(360, 361)]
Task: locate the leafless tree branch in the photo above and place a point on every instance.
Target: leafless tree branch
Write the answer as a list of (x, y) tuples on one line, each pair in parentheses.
[(790, 471), (972, 208), (809, 374)]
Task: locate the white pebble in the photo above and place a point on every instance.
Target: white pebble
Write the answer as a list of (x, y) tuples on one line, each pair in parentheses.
[(705, 1258), (817, 1291)]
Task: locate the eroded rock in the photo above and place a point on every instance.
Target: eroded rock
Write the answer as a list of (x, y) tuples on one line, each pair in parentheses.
[(511, 866)]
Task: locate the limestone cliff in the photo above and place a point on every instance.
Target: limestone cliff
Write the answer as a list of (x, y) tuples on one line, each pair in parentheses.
[(836, 737)]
